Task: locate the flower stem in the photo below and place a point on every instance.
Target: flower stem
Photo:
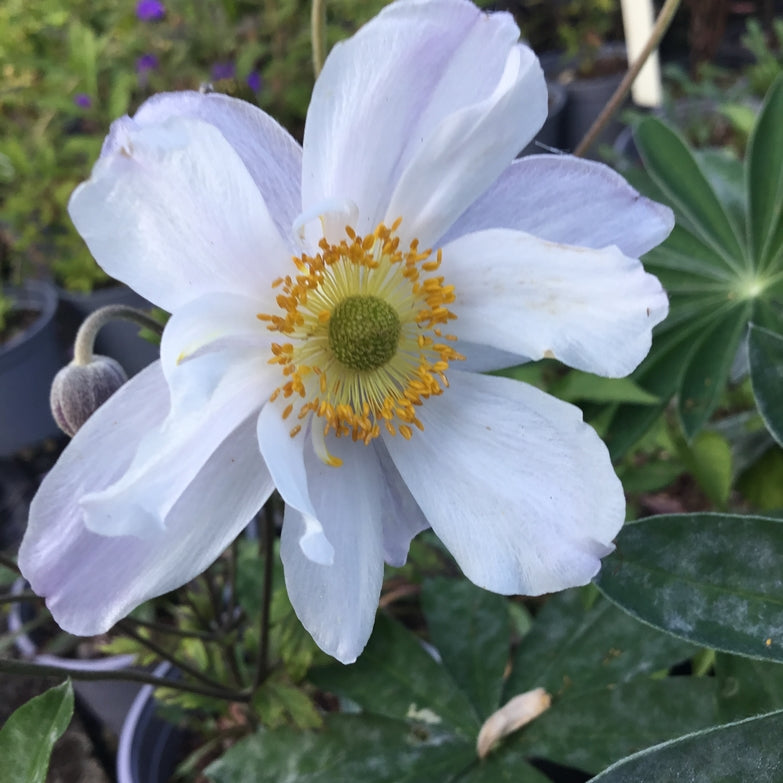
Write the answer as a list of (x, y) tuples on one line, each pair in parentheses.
[(27, 595), (318, 34), (173, 630), (9, 563), (267, 543), (129, 675), (661, 25), (166, 655), (88, 331)]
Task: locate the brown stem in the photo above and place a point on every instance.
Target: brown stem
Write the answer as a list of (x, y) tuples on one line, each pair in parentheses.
[(661, 25), (127, 675)]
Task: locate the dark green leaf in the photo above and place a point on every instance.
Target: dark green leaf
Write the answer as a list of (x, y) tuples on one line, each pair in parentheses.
[(395, 676), (674, 169), (598, 728), (508, 766), (765, 179), (709, 460), (713, 579), (747, 687), (350, 748), (28, 736), (471, 630), (762, 483), (574, 648), (650, 476), (726, 174), (705, 377), (765, 351), (577, 386), (735, 753)]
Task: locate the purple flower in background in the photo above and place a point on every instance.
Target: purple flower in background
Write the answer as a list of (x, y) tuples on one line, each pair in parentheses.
[(82, 100), (145, 63), (253, 81), (150, 10), (223, 71)]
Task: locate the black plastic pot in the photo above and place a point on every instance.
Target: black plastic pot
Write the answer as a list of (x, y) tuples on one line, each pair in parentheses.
[(28, 362), (551, 134), (150, 747), (119, 339), (587, 96)]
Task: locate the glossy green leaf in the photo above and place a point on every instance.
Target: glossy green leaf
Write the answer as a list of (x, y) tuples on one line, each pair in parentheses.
[(600, 727), (726, 173), (713, 579), (28, 736), (765, 179), (349, 748), (708, 458), (708, 369), (583, 386), (471, 629), (575, 648), (396, 677), (747, 687), (675, 170), (649, 476), (685, 252), (762, 483), (736, 753), (765, 351), (504, 767)]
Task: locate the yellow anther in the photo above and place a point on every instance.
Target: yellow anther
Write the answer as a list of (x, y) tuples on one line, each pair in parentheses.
[(354, 401)]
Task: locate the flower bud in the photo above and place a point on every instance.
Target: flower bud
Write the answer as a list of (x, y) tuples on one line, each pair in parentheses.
[(78, 390)]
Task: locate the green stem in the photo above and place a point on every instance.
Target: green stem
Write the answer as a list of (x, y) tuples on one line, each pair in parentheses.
[(267, 542), (166, 655), (204, 636), (9, 563), (88, 331), (661, 25), (318, 34), (27, 595), (127, 675)]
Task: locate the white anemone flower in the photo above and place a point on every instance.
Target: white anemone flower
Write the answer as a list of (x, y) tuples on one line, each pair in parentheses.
[(332, 306)]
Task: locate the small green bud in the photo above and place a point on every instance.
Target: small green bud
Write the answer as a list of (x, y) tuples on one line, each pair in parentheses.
[(78, 390)]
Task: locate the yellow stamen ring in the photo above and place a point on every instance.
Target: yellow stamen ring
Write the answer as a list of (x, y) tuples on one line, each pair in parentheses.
[(365, 345)]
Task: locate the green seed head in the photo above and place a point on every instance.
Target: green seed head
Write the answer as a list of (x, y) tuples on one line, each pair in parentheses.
[(364, 332)]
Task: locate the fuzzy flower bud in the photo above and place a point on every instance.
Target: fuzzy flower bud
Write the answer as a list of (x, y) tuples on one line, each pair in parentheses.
[(78, 390)]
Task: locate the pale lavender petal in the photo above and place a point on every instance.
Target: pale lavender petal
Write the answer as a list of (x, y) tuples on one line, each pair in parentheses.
[(383, 93), (91, 581), (270, 154), (568, 200)]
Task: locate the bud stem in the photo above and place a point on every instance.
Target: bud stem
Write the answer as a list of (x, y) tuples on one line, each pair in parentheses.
[(88, 331)]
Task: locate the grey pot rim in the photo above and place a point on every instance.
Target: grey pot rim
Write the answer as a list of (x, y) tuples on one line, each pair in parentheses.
[(133, 720), (37, 295), (27, 648)]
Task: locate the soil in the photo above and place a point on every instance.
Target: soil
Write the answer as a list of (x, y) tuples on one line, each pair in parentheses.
[(16, 322)]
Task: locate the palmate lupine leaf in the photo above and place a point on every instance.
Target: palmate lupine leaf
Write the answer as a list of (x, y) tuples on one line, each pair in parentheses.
[(765, 353), (722, 265)]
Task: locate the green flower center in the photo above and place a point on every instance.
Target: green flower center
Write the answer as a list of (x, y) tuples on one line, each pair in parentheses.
[(364, 332)]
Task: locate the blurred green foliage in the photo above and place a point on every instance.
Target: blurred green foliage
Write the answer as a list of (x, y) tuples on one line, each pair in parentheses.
[(70, 68)]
